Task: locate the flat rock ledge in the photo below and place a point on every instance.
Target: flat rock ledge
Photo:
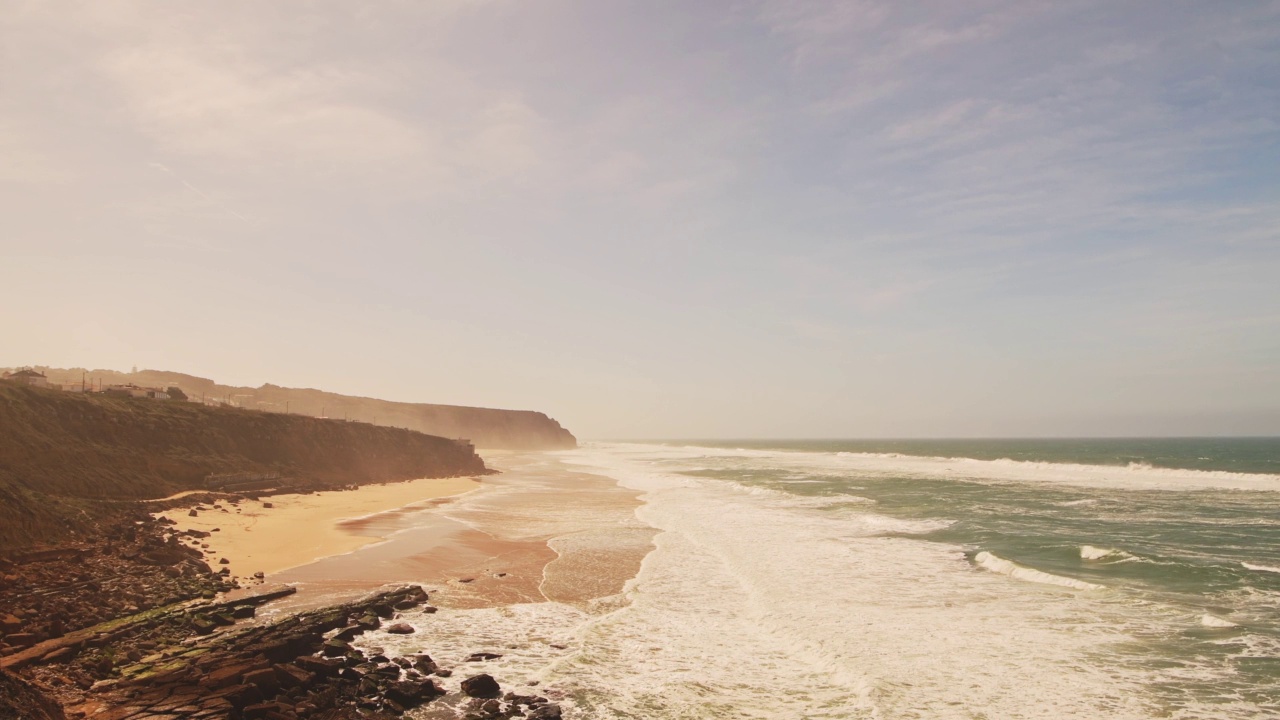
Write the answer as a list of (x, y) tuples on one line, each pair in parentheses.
[(173, 665)]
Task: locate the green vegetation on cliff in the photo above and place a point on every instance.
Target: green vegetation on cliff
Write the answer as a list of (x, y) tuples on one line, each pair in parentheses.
[(62, 453), (486, 427)]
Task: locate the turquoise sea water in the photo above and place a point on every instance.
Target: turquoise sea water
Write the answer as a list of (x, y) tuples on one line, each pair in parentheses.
[(896, 580), (1187, 562)]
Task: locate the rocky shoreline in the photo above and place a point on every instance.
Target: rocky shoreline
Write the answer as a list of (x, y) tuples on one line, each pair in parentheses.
[(130, 628)]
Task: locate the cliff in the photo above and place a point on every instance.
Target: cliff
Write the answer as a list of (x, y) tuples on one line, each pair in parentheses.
[(486, 427), (61, 452)]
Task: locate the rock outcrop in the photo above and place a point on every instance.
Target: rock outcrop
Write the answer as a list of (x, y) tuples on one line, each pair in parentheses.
[(166, 666)]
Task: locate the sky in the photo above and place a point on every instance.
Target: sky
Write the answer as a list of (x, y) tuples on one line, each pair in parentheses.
[(721, 219)]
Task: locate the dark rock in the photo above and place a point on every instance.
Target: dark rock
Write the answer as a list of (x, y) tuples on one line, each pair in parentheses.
[(242, 695), (21, 639), (481, 686), (545, 712), (293, 676), (193, 513), (482, 656), (401, 629), (265, 680), (262, 710), (336, 647), (350, 633), (240, 612), (411, 694), (323, 667)]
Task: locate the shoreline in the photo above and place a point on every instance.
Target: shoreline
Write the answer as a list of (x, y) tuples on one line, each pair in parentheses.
[(510, 544), (282, 532)]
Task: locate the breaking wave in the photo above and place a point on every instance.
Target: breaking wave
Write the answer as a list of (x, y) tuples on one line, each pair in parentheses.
[(1135, 475), (1214, 621), (1089, 552), (1261, 568), (997, 564)]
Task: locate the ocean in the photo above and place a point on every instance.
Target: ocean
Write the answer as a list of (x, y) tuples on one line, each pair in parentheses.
[(913, 579)]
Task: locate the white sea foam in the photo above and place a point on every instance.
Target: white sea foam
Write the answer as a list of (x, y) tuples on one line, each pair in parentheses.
[(755, 606), (1261, 568), (1135, 476), (1214, 621), (1089, 552), (997, 564)]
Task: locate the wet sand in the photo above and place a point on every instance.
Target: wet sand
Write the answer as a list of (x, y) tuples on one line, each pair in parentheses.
[(536, 532), (299, 528)]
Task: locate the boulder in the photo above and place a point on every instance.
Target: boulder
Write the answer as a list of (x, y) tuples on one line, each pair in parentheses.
[(550, 711), (411, 694), (323, 667), (481, 686), (336, 647), (401, 629)]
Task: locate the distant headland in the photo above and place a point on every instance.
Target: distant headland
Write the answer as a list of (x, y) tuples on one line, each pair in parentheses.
[(485, 427)]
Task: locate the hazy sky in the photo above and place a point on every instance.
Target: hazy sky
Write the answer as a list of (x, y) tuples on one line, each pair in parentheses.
[(661, 219)]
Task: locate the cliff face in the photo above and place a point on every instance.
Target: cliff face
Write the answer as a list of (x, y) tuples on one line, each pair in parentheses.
[(487, 428), (59, 449)]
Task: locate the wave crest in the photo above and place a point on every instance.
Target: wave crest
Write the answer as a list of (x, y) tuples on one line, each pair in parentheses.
[(997, 564), (1089, 552)]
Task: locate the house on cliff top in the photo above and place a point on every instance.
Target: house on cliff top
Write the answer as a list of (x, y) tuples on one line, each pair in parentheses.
[(27, 376), (135, 391)]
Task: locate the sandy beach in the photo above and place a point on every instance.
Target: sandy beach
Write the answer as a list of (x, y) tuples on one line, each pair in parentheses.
[(514, 540), (298, 529)]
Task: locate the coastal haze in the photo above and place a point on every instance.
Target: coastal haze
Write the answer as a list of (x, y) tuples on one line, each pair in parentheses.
[(772, 218), (480, 360)]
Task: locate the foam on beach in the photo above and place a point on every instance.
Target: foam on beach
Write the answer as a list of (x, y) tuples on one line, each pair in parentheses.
[(790, 607)]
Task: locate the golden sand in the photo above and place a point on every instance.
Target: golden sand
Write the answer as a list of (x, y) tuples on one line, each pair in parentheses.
[(300, 528), (539, 531)]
